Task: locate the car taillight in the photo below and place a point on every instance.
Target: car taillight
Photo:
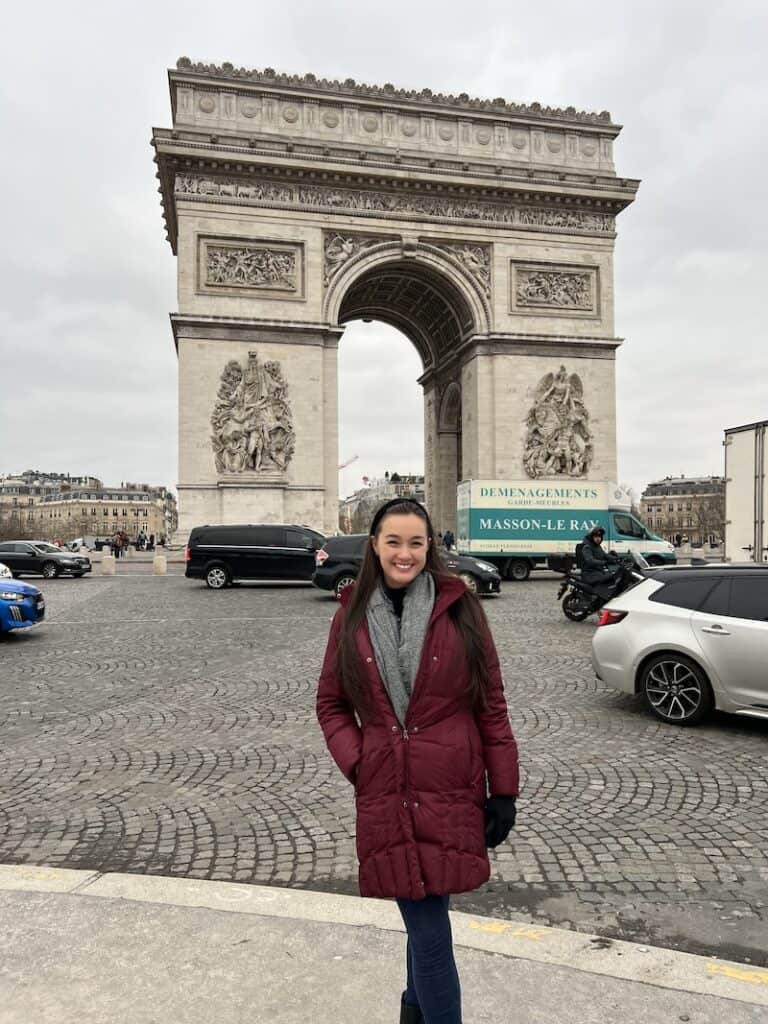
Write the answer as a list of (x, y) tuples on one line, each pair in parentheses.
[(608, 617), (320, 556), (187, 555)]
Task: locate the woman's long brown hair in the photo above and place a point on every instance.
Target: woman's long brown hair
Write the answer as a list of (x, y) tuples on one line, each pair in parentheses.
[(466, 613)]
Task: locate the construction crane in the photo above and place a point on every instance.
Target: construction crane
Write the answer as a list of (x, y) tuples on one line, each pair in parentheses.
[(348, 462)]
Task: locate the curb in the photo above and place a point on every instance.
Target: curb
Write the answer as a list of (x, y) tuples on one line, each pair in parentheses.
[(664, 968)]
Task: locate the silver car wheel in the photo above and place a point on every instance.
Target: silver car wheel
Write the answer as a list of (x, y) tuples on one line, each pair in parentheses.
[(676, 690), (216, 577), (49, 570)]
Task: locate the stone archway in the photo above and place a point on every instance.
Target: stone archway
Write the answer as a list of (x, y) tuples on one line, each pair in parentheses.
[(483, 230)]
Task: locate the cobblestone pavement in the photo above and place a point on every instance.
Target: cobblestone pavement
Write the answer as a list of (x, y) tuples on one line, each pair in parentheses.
[(151, 725)]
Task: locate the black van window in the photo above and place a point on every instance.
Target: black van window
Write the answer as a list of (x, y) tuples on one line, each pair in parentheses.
[(749, 597), (687, 593), (300, 539), (717, 601), (267, 536), (221, 535)]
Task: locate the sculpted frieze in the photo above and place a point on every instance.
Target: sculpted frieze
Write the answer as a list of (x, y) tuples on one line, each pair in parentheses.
[(340, 247), (230, 266), (476, 260), (554, 289), (251, 423), (368, 202), (558, 439), (251, 267)]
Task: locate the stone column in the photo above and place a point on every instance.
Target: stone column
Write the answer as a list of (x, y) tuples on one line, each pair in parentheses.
[(431, 497), (306, 489)]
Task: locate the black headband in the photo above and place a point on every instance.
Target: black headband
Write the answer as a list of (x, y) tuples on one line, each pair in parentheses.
[(393, 503)]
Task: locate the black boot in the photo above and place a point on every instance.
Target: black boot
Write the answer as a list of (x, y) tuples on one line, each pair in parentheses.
[(410, 1014)]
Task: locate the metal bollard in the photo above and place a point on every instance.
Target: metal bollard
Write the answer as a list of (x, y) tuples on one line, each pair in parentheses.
[(107, 565), (159, 565)]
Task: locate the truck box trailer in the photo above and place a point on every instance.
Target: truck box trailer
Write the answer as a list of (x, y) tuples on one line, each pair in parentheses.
[(746, 492), (520, 525)]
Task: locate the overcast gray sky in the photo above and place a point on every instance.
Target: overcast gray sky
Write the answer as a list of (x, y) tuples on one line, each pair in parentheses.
[(87, 364)]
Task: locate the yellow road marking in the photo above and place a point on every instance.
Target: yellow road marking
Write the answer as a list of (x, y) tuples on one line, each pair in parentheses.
[(739, 973), (518, 931)]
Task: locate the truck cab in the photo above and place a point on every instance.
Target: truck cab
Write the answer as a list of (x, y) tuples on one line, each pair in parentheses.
[(625, 533)]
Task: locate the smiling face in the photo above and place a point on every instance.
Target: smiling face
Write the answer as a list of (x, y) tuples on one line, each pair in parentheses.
[(401, 545)]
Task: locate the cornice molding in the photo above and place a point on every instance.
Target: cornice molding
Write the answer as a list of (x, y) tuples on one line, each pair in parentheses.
[(346, 157), (251, 329), (350, 89)]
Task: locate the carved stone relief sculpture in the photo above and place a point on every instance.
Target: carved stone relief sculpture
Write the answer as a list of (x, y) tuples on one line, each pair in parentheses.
[(250, 267), (366, 202), (233, 267), (558, 439), (554, 289), (476, 260), (339, 248), (251, 423)]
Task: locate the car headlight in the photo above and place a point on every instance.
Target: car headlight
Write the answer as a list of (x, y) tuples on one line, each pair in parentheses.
[(486, 566), (11, 596)]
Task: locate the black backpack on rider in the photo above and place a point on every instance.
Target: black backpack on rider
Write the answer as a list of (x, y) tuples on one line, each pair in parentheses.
[(579, 555)]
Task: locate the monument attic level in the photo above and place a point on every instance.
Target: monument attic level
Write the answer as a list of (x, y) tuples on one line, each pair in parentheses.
[(484, 230)]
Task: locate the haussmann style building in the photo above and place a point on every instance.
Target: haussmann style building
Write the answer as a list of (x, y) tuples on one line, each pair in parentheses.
[(686, 509)]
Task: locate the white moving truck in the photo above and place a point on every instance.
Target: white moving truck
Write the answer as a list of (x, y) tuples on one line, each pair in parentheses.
[(520, 524), (746, 493)]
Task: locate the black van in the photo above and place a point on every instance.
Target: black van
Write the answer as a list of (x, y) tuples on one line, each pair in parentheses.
[(271, 552)]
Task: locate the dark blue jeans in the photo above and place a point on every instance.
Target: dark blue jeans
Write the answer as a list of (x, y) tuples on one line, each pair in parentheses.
[(433, 981)]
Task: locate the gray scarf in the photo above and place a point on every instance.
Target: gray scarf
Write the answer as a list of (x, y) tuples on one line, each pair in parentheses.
[(398, 646)]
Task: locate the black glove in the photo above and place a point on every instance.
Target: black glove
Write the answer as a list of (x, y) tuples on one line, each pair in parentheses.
[(500, 813)]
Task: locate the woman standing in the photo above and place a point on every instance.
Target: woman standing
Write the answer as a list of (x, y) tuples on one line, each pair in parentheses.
[(411, 704)]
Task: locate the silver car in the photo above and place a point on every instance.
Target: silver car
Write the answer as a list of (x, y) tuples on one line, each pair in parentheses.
[(690, 639)]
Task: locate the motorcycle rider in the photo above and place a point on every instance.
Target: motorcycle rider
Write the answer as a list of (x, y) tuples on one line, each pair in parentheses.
[(598, 566)]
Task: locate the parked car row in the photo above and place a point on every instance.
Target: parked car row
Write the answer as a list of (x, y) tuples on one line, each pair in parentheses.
[(225, 555)]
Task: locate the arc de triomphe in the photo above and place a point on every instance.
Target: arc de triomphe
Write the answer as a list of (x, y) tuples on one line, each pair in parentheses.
[(484, 230)]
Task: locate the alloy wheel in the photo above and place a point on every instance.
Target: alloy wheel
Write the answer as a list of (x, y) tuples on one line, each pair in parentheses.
[(216, 577), (676, 690), (49, 570)]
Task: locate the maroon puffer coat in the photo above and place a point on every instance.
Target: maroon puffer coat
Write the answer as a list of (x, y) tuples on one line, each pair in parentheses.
[(420, 790)]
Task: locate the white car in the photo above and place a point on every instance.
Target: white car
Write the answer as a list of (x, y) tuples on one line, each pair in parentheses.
[(5, 572), (689, 639)]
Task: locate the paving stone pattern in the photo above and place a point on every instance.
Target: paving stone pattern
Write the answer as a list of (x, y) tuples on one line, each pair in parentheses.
[(153, 726)]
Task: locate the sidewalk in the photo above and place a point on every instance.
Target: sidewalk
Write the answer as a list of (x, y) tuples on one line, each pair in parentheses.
[(77, 947)]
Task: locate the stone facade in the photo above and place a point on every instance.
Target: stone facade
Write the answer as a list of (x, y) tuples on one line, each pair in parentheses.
[(483, 230), (59, 506), (686, 509)]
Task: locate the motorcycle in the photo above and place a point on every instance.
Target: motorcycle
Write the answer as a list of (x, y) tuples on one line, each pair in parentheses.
[(581, 599)]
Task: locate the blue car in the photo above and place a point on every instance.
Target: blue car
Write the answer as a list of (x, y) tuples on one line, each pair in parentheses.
[(21, 605)]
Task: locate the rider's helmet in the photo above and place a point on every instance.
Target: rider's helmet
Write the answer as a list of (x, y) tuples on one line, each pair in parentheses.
[(598, 531)]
